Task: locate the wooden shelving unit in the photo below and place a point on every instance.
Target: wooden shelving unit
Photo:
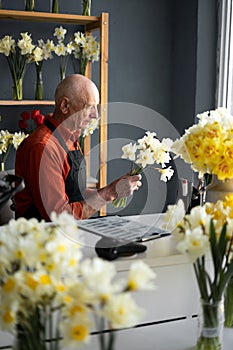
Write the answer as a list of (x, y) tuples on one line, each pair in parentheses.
[(90, 24), (26, 103)]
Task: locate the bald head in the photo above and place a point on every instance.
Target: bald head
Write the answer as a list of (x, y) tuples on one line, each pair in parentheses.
[(77, 88), (76, 100)]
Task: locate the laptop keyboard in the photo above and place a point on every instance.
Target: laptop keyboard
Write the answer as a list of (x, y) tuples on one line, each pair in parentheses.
[(121, 228)]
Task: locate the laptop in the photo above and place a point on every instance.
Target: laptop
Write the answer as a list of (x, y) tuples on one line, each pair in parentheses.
[(122, 229)]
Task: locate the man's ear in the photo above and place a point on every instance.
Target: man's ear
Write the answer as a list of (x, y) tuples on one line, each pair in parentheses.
[(64, 105)]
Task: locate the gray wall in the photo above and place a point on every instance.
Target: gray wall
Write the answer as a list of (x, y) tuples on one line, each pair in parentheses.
[(162, 58)]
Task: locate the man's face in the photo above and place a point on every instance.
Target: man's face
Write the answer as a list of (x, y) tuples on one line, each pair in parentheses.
[(82, 115)]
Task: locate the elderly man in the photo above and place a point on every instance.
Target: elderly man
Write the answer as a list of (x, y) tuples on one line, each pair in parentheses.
[(52, 165)]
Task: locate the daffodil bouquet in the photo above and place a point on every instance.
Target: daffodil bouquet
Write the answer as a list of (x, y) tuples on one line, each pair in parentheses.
[(62, 49), (206, 231), (9, 141), (18, 56), (86, 49), (50, 295), (147, 152), (207, 146)]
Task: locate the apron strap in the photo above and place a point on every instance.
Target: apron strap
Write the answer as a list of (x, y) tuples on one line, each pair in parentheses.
[(56, 134)]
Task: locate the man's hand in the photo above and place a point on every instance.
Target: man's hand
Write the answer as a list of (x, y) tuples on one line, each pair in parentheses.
[(126, 185), (120, 188)]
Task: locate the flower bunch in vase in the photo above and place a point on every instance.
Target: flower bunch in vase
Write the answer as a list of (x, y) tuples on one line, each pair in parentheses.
[(86, 49), (207, 145), (9, 141), (147, 152), (205, 235), (50, 295), (30, 121), (18, 57), (62, 49), (92, 126), (47, 49)]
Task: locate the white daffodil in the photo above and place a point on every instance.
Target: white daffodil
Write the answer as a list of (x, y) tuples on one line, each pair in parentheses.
[(7, 45), (92, 126), (17, 138), (122, 311), (144, 158), (166, 174), (25, 44), (97, 276), (37, 55), (161, 156), (60, 49), (195, 243), (174, 215), (141, 276), (199, 217), (60, 33), (75, 331), (129, 151), (8, 318)]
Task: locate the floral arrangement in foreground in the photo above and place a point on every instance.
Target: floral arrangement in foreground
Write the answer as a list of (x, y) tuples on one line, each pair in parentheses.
[(207, 146), (30, 121), (18, 57), (146, 152), (9, 141), (206, 232), (51, 297)]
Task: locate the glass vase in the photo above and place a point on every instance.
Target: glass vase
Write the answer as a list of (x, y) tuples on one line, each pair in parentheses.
[(83, 65), (39, 94), (210, 325), (55, 6), (18, 89), (86, 7), (29, 5), (228, 304)]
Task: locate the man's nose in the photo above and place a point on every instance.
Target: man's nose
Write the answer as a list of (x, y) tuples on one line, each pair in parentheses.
[(94, 112)]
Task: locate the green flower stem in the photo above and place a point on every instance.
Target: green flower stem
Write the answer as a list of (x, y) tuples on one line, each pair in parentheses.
[(2, 167), (121, 202), (5, 155), (56, 6), (39, 82), (81, 142), (86, 7), (83, 65), (63, 66), (29, 6), (18, 90), (111, 340), (228, 304)]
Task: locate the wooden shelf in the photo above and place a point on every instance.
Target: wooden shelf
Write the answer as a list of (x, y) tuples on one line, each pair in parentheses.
[(49, 17), (26, 102)]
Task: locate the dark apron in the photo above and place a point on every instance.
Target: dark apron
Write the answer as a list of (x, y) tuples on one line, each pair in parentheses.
[(75, 182)]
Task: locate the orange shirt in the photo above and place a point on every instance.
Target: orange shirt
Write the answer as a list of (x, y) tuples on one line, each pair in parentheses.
[(43, 164)]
